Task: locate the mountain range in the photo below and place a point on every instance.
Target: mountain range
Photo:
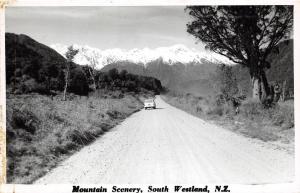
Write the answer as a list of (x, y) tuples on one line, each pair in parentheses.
[(170, 55)]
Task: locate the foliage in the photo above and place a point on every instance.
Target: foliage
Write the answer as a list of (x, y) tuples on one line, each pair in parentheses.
[(71, 53), (226, 87), (228, 82), (237, 32), (78, 82), (113, 80)]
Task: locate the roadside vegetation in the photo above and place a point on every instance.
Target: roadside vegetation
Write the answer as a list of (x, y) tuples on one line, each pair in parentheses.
[(232, 108), (42, 131), (55, 107), (253, 120)]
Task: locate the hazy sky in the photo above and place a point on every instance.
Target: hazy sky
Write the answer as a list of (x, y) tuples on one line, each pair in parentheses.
[(103, 27)]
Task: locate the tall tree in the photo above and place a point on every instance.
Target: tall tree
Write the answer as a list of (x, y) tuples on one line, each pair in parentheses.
[(70, 54), (244, 34)]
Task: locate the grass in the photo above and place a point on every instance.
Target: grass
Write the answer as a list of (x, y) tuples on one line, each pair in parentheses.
[(42, 131), (253, 120)]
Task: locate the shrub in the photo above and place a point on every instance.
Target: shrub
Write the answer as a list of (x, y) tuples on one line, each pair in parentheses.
[(282, 116), (78, 83), (251, 109), (115, 114), (24, 120), (225, 110), (254, 130), (215, 110)]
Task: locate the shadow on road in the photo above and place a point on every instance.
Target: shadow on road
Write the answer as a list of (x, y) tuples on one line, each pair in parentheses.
[(157, 108)]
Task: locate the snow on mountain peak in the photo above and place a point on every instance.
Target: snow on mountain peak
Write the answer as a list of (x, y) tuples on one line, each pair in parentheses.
[(178, 53)]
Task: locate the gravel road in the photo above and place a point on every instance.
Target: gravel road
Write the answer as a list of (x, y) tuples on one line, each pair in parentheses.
[(169, 146)]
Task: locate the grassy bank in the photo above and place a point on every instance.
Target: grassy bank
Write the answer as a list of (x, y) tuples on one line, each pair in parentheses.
[(42, 131), (274, 124)]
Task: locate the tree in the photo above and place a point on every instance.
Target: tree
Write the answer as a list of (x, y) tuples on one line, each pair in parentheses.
[(123, 74), (78, 82), (244, 34), (93, 64), (226, 79), (113, 73), (70, 54)]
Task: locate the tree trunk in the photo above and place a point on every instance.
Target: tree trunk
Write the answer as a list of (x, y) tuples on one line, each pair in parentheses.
[(265, 86), (283, 90), (255, 88), (260, 86), (93, 78), (66, 82)]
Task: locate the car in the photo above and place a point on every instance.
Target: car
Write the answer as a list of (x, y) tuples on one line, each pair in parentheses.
[(149, 103)]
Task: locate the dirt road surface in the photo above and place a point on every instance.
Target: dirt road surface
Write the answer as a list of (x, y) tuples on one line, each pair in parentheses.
[(169, 146)]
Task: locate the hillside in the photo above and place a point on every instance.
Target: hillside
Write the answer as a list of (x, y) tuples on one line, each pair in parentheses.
[(34, 67)]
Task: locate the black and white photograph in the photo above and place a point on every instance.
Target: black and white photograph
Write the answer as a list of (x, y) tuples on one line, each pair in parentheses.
[(185, 94)]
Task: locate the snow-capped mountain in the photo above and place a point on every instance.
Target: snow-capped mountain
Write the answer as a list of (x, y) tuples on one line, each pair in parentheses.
[(171, 55)]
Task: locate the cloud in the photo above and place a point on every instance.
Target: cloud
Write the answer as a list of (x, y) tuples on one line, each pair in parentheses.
[(102, 26)]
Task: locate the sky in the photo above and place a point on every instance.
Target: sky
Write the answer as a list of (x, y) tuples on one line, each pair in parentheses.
[(103, 27)]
